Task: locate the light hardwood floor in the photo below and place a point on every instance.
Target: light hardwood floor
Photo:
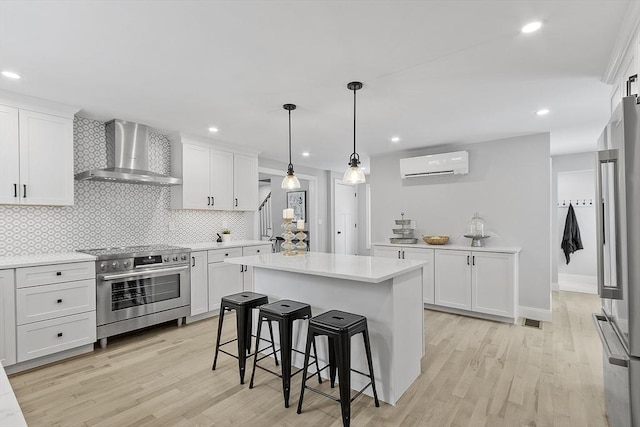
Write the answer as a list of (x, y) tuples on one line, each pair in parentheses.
[(475, 373)]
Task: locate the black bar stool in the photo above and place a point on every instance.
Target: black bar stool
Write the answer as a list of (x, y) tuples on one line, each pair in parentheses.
[(339, 327), (284, 312), (242, 303)]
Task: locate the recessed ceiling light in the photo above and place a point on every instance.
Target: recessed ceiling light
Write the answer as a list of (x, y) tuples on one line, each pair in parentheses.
[(532, 27), (11, 75), (395, 139), (213, 129), (305, 154), (542, 112)]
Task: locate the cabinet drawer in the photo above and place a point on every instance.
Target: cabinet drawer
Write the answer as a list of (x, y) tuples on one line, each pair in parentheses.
[(255, 250), (58, 273), (52, 336), (45, 302), (219, 255)]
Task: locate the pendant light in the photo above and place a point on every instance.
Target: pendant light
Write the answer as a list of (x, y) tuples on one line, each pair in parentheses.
[(290, 182), (354, 174)]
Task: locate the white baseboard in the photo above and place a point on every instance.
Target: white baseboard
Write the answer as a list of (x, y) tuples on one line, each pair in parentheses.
[(535, 313), (555, 286), (577, 283)]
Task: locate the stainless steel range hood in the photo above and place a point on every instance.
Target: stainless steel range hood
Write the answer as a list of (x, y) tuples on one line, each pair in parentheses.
[(127, 157)]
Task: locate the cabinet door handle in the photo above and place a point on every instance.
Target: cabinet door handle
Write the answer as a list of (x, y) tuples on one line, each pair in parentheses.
[(213, 200), (58, 273), (258, 251), (399, 255), (60, 301), (59, 334), (24, 194), (473, 260), (402, 254), (467, 259), (193, 261), (208, 201), (236, 202), (15, 190)]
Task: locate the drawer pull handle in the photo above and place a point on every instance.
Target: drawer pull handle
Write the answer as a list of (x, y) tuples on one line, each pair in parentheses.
[(60, 301), (226, 254), (58, 273), (59, 334), (258, 251)]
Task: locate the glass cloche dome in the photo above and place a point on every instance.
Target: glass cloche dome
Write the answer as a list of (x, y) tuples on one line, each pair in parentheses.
[(476, 230)]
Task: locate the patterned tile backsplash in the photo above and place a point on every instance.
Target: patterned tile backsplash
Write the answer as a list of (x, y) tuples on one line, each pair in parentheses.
[(111, 214)]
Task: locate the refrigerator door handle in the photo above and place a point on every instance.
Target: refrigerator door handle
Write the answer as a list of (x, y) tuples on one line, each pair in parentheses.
[(611, 292), (616, 354)]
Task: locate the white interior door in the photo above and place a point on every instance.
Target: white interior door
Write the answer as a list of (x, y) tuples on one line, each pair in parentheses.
[(345, 217)]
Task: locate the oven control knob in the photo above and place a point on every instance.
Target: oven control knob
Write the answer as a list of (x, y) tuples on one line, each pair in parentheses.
[(114, 264), (125, 263), (103, 266), (183, 257), (166, 259), (175, 258)]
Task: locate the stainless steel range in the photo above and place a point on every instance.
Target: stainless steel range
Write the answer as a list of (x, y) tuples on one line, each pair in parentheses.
[(139, 286)]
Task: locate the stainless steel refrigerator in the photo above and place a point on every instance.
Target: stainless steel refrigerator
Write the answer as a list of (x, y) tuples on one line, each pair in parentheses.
[(618, 216)]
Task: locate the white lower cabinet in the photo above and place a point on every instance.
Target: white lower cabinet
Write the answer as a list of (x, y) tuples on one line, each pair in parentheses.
[(212, 278), (224, 279), (7, 318), (416, 254), (199, 285), (55, 308), (493, 282), (453, 279), (479, 281), (51, 336)]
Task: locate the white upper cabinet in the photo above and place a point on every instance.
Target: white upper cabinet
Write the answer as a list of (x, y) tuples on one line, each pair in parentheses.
[(9, 155), (213, 179), (195, 178), (46, 159), (221, 173), (245, 182), (36, 157)]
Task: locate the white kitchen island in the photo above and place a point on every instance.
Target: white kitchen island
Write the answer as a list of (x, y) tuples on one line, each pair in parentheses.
[(387, 291)]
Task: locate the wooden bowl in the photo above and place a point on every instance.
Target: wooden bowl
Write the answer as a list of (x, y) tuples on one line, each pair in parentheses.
[(436, 240)]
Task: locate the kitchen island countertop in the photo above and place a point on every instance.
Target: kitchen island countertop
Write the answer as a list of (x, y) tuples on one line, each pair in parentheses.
[(348, 267)]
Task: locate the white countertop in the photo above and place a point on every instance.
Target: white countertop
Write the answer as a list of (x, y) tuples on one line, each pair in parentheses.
[(349, 267), (504, 249), (43, 259), (10, 412), (203, 246)]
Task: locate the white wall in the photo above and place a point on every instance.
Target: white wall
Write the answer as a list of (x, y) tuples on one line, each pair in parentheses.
[(508, 184)]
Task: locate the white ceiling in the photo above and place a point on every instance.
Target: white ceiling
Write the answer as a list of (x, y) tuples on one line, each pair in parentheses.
[(434, 72)]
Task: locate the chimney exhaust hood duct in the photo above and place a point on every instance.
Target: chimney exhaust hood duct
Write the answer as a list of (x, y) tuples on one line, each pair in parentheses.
[(127, 157)]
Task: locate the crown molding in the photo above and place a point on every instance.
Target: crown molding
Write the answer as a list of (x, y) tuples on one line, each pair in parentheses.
[(30, 103), (628, 31)]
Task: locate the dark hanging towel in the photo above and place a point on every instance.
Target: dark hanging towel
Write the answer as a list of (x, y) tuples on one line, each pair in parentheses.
[(571, 241)]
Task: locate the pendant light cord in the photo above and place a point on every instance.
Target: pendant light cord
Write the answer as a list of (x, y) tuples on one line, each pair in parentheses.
[(354, 121), (290, 164)]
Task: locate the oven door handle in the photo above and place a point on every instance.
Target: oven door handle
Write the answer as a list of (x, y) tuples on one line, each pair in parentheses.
[(108, 277)]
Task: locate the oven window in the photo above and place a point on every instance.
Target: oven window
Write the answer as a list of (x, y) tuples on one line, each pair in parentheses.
[(131, 293)]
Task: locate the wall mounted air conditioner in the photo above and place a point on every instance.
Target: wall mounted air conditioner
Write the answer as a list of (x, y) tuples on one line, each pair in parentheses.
[(456, 163)]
